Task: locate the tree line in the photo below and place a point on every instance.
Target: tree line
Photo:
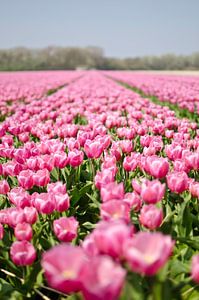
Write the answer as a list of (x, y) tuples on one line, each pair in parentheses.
[(70, 58)]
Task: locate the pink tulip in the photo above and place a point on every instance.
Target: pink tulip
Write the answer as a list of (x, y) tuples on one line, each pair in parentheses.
[(62, 266), (158, 166), (192, 160), (137, 185), (62, 202), (22, 253), (112, 191), (195, 268), (102, 279), (23, 231), (179, 165), (75, 158), (89, 245), (19, 197), (115, 210), (4, 187), (93, 149), (126, 146), (194, 189), (56, 187), (109, 237), (148, 260), (12, 168), (30, 215), (60, 160), (25, 179), (15, 216), (177, 182), (130, 163), (65, 229), (103, 178), (173, 151), (41, 177), (151, 217), (152, 191), (133, 200), (44, 202)]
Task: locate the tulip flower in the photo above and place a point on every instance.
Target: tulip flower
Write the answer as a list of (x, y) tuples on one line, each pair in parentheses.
[(150, 216), (102, 279), (152, 191), (62, 266), (195, 268), (177, 182), (22, 253), (65, 229), (23, 231), (148, 260)]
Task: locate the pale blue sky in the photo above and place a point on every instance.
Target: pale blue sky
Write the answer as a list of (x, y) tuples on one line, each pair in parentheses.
[(121, 27)]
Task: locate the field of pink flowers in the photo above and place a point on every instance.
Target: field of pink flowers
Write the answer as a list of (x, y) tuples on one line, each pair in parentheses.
[(99, 186)]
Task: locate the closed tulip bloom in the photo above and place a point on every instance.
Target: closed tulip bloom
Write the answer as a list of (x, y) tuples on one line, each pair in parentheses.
[(4, 187), (22, 253), (130, 163), (103, 178), (173, 151), (112, 191), (23, 231), (102, 279), (179, 165), (19, 197), (195, 268), (126, 146), (60, 159), (151, 217), (62, 265), (4, 216), (137, 186), (44, 202), (147, 252), (109, 237), (62, 202), (25, 179), (133, 200), (41, 177), (93, 149), (158, 166), (57, 187), (12, 168), (177, 182), (192, 160), (30, 215), (15, 216), (65, 229), (194, 189), (152, 191), (72, 144), (115, 210), (116, 151), (75, 158)]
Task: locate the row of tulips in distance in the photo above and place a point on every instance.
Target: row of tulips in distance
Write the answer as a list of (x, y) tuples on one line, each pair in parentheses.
[(28, 86), (182, 91), (99, 196)]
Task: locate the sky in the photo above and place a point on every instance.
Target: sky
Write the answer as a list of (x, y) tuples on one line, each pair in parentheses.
[(123, 28)]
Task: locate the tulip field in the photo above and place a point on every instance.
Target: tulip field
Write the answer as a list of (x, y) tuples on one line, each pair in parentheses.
[(99, 186)]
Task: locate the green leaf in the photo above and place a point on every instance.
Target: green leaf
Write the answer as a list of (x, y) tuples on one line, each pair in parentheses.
[(89, 225)]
